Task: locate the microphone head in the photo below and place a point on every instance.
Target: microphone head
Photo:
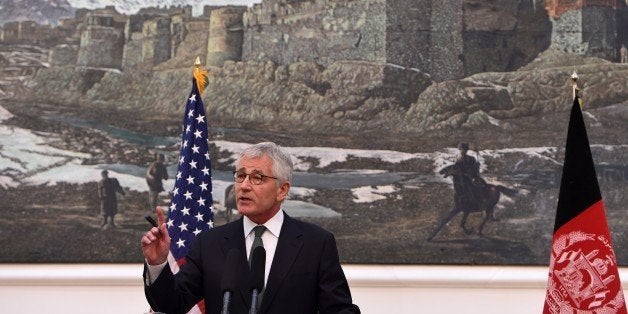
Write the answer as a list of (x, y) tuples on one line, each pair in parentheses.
[(258, 265), (230, 275)]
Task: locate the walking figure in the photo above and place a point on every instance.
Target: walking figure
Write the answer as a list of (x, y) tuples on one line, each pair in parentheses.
[(107, 189), (154, 175)]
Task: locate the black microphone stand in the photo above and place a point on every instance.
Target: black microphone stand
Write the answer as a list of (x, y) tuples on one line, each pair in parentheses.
[(229, 280), (258, 265)]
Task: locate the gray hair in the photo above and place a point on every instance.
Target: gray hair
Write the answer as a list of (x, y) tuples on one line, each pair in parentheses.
[(282, 164)]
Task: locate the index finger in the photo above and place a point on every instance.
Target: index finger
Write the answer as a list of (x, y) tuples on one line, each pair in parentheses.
[(161, 217)]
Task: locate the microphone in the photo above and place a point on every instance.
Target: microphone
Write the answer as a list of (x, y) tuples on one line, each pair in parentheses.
[(229, 280), (256, 276)]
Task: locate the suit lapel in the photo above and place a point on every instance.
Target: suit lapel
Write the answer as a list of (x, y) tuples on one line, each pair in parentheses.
[(234, 239), (288, 248)]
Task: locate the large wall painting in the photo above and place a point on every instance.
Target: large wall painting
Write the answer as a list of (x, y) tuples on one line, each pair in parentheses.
[(422, 132)]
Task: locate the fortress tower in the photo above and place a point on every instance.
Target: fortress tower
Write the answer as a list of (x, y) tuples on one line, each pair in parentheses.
[(321, 31), (157, 43), (225, 35), (132, 55), (586, 27), (10, 32), (102, 40)]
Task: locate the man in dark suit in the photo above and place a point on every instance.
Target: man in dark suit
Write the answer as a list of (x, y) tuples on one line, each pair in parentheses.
[(303, 272)]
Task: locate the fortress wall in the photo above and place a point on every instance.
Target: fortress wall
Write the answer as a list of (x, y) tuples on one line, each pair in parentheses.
[(487, 45), (449, 39), (101, 46), (195, 39), (408, 33), (156, 46), (132, 54), (356, 31), (134, 24), (590, 31), (9, 32), (567, 35), (343, 30), (622, 17), (225, 35), (30, 31), (178, 31), (63, 55), (446, 42), (600, 31), (532, 35), (503, 35)]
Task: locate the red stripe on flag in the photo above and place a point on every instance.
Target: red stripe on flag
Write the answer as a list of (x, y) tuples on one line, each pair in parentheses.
[(583, 268)]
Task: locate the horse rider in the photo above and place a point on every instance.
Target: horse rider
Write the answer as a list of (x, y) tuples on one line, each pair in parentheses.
[(471, 183)]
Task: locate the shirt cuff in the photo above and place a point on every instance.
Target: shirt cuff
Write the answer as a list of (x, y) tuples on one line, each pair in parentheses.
[(153, 272)]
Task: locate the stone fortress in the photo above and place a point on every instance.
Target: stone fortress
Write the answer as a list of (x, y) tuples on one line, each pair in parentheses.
[(448, 39)]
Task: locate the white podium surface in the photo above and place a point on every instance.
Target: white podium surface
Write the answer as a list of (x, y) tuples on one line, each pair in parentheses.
[(388, 289)]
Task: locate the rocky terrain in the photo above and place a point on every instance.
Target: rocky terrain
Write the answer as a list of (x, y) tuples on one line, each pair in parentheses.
[(348, 96)]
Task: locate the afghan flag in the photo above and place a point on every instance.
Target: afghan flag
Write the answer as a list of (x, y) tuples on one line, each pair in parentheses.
[(583, 274)]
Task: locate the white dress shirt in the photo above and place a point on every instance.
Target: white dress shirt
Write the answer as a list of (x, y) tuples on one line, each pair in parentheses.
[(269, 238)]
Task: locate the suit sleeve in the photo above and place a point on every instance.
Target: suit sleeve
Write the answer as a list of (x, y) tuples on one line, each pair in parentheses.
[(178, 293), (334, 295)]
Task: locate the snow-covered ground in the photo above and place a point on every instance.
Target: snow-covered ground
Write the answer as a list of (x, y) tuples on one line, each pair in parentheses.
[(26, 157)]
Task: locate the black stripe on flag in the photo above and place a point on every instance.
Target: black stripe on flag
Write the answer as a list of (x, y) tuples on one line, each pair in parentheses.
[(579, 188)]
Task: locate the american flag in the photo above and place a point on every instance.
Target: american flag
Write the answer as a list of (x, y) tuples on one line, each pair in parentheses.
[(190, 210)]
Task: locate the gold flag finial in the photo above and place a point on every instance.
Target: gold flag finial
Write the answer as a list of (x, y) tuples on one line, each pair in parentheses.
[(574, 76), (200, 75), (574, 84)]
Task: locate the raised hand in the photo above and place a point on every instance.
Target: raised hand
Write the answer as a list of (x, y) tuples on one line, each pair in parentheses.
[(156, 241)]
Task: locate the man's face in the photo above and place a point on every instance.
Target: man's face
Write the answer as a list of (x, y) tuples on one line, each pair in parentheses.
[(259, 202)]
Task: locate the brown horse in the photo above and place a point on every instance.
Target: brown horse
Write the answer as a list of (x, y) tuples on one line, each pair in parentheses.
[(230, 202), (483, 197)]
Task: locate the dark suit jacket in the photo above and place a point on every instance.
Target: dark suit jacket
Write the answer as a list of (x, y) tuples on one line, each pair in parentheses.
[(305, 276)]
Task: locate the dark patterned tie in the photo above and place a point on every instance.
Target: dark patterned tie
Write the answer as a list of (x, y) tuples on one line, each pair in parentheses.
[(257, 241), (258, 230)]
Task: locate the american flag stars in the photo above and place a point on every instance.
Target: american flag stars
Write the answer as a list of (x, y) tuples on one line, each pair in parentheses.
[(190, 211)]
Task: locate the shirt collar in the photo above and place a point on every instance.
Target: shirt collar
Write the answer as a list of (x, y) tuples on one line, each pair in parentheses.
[(273, 224)]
